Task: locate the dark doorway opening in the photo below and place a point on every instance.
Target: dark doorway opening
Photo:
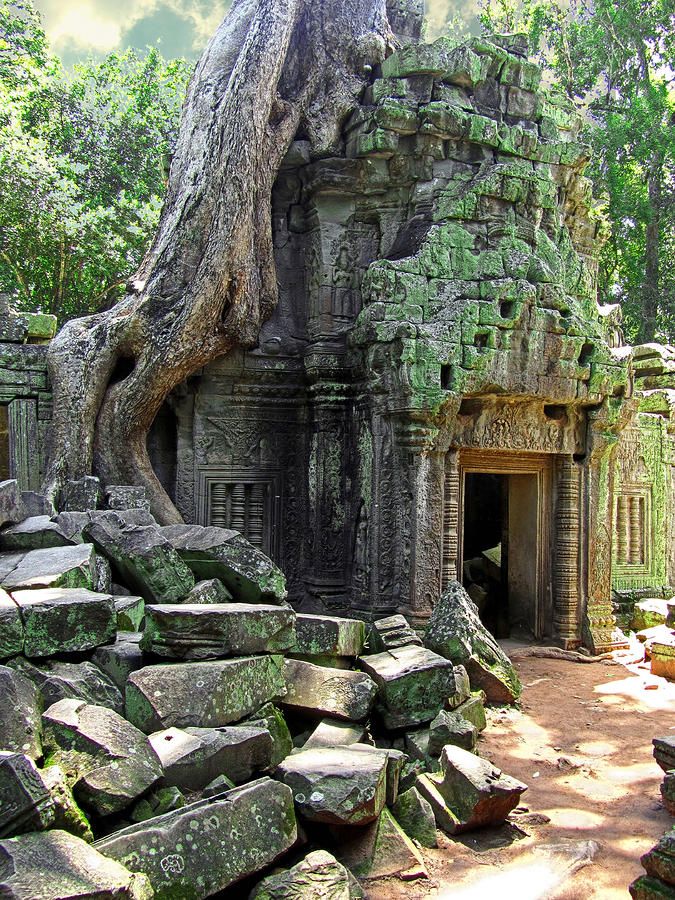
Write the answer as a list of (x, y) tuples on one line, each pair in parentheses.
[(500, 550)]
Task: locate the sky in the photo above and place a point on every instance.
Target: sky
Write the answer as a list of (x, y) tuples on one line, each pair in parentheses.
[(78, 28)]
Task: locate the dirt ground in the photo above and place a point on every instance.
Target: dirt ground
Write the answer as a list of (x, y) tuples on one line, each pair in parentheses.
[(582, 742)]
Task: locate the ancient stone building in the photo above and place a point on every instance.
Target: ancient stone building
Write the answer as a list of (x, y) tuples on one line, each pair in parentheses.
[(438, 394)]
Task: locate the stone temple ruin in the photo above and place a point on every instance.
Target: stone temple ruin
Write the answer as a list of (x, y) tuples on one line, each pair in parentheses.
[(438, 380), (437, 400)]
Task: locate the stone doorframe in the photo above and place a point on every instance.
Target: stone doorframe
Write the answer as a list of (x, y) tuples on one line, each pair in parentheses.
[(557, 544)]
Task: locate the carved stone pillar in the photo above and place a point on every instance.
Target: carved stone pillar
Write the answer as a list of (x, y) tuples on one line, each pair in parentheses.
[(566, 569), (24, 444), (423, 534), (450, 518), (599, 628)]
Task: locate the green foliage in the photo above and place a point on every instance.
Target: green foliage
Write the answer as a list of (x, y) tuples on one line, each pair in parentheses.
[(615, 62), (84, 159)]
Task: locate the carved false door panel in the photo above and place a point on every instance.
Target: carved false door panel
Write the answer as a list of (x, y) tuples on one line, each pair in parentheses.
[(245, 502)]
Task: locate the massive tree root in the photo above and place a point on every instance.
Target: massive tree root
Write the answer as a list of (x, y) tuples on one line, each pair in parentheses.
[(209, 281)]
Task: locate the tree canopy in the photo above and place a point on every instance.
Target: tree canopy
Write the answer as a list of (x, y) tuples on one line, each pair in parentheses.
[(84, 158)]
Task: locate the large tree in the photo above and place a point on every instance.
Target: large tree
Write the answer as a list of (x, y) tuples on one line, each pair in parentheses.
[(274, 68)]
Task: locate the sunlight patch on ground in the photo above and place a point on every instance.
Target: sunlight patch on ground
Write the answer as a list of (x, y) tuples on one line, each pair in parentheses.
[(633, 688), (596, 748), (569, 817)]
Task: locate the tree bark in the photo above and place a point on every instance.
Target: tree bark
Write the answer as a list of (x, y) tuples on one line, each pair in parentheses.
[(651, 285), (208, 281)]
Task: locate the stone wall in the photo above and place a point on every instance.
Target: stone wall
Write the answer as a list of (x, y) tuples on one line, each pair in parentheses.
[(25, 398)]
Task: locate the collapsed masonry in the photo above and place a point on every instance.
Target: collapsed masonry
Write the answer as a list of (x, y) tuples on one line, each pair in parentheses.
[(173, 741), (437, 380)]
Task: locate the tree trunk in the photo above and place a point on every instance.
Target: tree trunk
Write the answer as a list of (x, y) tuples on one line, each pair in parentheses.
[(208, 281)]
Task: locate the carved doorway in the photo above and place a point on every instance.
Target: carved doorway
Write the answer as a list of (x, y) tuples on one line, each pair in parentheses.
[(504, 512)]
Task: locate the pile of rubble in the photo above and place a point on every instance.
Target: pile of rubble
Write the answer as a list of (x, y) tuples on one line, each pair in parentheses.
[(171, 726), (653, 621), (659, 862)]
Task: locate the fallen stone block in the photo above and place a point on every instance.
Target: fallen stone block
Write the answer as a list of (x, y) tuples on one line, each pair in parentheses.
[(319, 876), (658, 634), (126, 496), (211, 591), (647, 888), (36, 504), (218, 786), (456, 632), (25, 801), (130, 613), (416, 817), (271, 719), (328, 636), (473, 710), (451, 728), (664, 751), (334, 733), (249, 575), (112, 763), (417, 747), (469, 792), (663, 659), (668, 792), (319, 691), (12, 509), (413, 684), (144, 560), (20, 713), (182, 631), (659, 862), (395, 762), (157, 803), (34, 533), (462, 690), (207, 846), (82, 494), (120, 659), (381, 850), (648, 613), (56, 680), (55, 567), (11, 627), (202, 694), (65, 620), (192, 757), (391, 634), (67, 814), (338, 786), (64, 867)]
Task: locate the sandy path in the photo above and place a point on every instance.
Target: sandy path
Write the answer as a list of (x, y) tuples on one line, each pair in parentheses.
[(582, 743)]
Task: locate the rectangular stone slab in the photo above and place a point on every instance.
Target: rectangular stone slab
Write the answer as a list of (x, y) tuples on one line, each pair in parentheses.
[(68, 567), (203, 848), (413, 684), (34, 533), (64, 867), (202, 694), (65, 620), (329, 636), (319, 691), (187, 631), (145, 561), (213, 552)]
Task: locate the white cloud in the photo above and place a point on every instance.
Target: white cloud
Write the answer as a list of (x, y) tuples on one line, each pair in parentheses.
[(101, 25)]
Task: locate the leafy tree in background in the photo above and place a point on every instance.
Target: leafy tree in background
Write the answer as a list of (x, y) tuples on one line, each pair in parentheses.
[(84, 160), (616, 61)]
